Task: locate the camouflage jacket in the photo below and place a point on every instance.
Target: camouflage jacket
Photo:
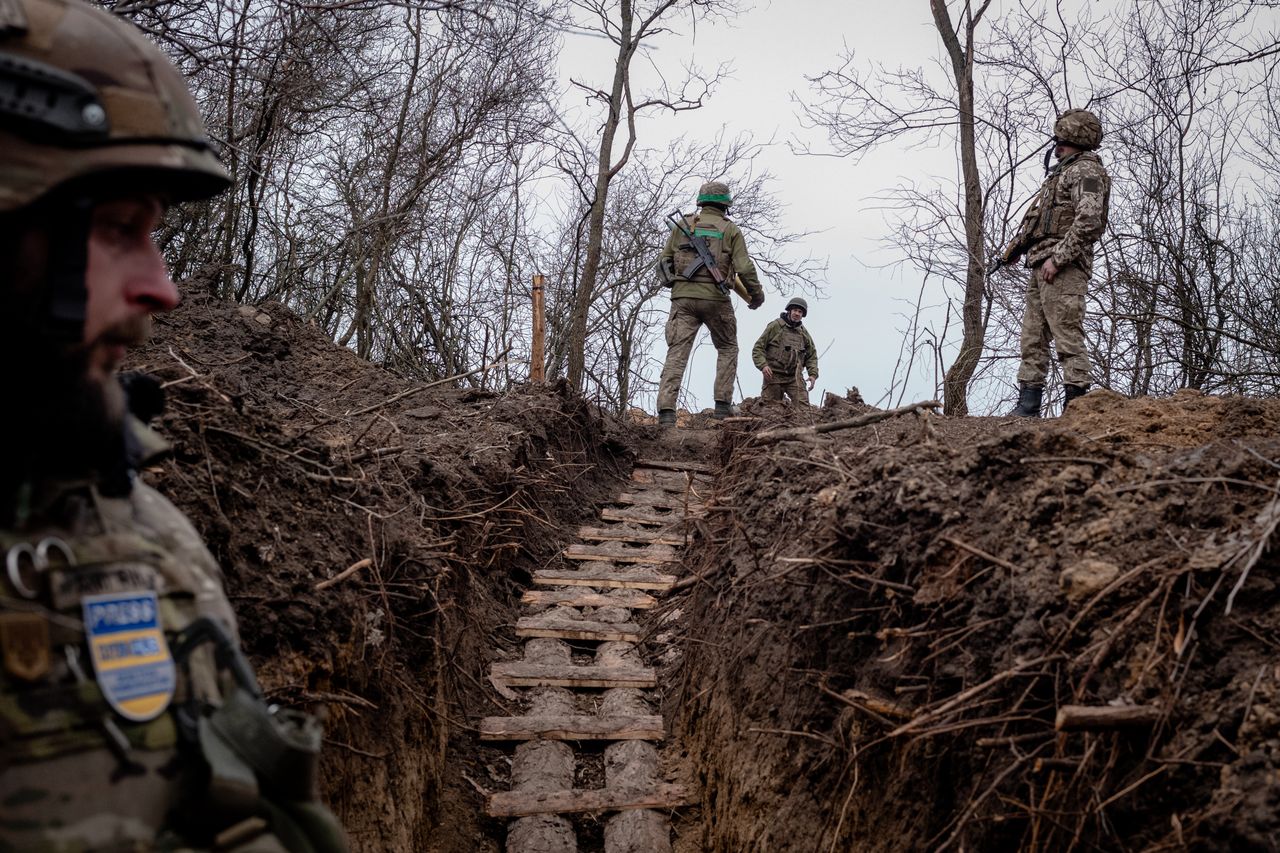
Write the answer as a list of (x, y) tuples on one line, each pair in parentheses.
[(727, 245), (1069, 213), (100, 702), (786, 348)]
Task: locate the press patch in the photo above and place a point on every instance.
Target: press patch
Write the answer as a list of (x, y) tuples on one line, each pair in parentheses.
[(130, 656)]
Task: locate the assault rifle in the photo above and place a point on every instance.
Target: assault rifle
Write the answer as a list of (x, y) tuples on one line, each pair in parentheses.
[(1016, 249), (704, 259)]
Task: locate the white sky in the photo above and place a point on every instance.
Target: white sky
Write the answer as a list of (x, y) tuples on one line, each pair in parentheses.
[(771, 47)]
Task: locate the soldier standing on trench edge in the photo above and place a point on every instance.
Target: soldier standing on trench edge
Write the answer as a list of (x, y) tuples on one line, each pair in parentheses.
[(129, 717), (783, 350), (697, 301), (1057, 236)]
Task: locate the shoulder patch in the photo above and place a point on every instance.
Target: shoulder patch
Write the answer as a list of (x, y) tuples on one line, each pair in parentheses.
[(1091, 185)]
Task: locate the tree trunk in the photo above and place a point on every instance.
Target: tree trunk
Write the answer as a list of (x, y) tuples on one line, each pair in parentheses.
[(582, 297), (956, 382)]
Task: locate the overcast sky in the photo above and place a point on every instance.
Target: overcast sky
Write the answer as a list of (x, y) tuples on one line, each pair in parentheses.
[(771, 48)]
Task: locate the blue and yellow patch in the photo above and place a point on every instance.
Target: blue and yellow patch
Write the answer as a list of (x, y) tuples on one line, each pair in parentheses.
[(130, 656)]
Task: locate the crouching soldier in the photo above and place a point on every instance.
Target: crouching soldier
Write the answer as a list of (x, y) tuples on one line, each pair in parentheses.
[(129, 717), (784, 349)]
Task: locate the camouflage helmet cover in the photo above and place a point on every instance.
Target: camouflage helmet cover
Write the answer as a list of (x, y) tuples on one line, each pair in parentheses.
[(715, 192), (84, 94), (798, 302), (1080, 128)]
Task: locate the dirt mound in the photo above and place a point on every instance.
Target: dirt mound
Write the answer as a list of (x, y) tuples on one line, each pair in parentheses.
[(895, 616), (1187, 419), (299, 462)]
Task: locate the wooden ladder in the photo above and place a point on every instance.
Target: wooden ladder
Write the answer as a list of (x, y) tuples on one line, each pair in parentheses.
[(616, 569)]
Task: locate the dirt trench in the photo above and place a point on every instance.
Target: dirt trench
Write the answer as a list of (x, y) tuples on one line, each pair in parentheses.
[(884, 625), (902, 623)]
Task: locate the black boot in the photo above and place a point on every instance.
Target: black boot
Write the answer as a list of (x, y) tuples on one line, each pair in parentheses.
[(723, 410), (667, 417), (1028, 401), (1072, 392)]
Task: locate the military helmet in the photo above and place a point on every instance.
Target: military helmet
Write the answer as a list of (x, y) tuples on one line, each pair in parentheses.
[(84, 94), (798, 302), (715, 192), (1080, 128)]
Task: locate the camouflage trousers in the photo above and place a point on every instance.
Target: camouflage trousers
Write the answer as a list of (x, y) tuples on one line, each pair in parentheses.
[(793, 387), (687, 316), (1055, 312)]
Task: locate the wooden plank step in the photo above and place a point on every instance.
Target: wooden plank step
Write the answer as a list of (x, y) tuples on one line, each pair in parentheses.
[(603, 576), (657, 500), (621, 533), (577, 629), (671, 481), (631, 599), (647, 516), (576, 727), (677, 465), (521, 674), (665, 795), (618, 552)]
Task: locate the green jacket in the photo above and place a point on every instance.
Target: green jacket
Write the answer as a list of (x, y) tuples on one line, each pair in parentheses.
[(785, 348), (728, 246)]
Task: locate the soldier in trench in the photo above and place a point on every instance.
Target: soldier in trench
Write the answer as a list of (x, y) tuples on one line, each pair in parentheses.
[(783, 352), (129, 717), (1057, 236)]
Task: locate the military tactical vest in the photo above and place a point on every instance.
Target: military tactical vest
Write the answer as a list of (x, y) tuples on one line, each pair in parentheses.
[(788, 350), (1054, 210), (128, 717), (710, 230)]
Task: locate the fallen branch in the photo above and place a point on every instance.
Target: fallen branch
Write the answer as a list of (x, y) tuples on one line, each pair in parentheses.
[(962, 697), (344, 574), (418, 388), (978, 552), (817, 429), (1093, 718)]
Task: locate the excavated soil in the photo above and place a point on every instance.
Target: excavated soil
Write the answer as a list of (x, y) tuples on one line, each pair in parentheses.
[(886, 623), (297, 460), (893, 615)]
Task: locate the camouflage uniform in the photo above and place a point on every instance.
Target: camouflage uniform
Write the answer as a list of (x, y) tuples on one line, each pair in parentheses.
[(78, 775), (129, 718), (696, 301), (787, 350), (1067, 217)]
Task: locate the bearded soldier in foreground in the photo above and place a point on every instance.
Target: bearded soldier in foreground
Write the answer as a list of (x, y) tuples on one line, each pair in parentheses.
[(1057, 236), (129, 718)]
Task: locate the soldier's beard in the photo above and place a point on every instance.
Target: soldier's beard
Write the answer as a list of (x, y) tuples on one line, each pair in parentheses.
[(63, 416)]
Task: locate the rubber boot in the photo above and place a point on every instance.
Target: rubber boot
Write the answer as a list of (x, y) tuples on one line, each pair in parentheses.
[(723, 410), (1072, 392), (667, 418), (1028, 401)]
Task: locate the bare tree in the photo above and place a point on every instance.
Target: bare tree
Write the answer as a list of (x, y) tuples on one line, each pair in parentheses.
[(628, 25)]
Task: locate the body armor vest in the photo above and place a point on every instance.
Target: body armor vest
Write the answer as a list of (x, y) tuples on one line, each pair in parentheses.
[(1052, 214), (788, 350), (686, 255)]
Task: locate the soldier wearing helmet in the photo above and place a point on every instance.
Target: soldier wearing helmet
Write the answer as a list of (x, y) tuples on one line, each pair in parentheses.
[(1056, 236), (785, 349), (697, 301), (129, 717)]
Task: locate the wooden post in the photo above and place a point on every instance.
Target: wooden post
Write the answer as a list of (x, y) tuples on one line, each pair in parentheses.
[(537, 359)]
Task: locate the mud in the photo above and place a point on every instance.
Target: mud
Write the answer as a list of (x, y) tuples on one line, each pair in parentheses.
[(893, 615), (886, 623), (297, 460)]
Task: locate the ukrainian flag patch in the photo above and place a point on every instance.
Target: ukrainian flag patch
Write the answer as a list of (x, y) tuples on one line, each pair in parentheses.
[(130, 656)]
